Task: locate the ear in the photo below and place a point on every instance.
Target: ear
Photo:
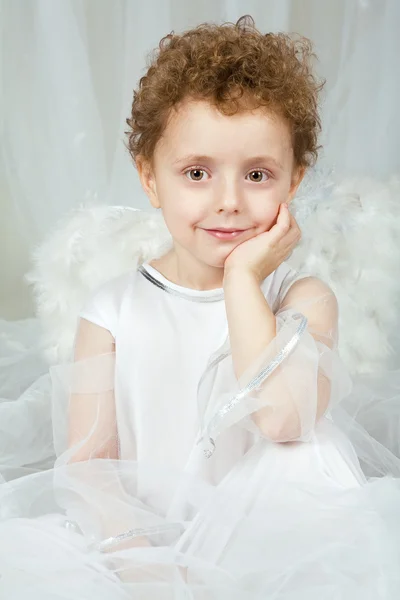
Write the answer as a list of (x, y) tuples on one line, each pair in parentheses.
[(147, 179), (297, 178)]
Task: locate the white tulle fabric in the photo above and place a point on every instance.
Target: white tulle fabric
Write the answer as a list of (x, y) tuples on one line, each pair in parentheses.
[(120, 516), (283, 384)]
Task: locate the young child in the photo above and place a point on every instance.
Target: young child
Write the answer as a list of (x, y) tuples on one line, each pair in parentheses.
[(199, 455)]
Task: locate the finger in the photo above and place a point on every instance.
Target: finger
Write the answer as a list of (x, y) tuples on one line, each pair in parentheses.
[(293, 223), (282, 225), (283, 220), (290, 234), (278, 231), (296, 227), (292, 219)]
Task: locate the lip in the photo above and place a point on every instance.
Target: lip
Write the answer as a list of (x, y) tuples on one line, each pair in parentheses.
[(225, 233)]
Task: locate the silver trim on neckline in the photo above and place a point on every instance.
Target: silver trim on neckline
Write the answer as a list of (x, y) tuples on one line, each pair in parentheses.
[(174, 292)]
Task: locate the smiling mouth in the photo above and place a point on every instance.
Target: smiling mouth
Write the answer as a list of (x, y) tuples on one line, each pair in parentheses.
[(225, 234)]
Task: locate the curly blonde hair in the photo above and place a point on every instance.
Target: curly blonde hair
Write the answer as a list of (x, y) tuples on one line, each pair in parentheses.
[(231, 66)]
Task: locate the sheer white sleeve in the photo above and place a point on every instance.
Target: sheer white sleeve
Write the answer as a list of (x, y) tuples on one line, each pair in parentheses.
[(103, 496), (295, 381)]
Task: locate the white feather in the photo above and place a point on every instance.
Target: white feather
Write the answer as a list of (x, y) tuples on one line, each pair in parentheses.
[(88, 248), (351, 235)]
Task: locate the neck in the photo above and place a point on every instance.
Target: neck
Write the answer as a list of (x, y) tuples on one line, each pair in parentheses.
[(184, 269)]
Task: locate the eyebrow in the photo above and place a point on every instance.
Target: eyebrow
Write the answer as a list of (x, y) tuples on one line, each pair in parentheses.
[(264, 158), (194, 158), (198, 158)]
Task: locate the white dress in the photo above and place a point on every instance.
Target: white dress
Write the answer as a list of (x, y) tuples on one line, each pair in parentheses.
[(198, 503)]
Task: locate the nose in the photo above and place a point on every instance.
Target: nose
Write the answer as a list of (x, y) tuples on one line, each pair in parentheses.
[(228, 198)]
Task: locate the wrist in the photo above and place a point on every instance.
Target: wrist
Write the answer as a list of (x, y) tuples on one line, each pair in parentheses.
[(239, 277)]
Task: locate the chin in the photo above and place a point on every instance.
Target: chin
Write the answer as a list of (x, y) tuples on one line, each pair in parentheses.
[(217, 262)]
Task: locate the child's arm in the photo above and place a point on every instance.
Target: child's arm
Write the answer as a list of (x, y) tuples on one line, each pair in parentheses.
[(100, 496), (91, 417), (253, 327)]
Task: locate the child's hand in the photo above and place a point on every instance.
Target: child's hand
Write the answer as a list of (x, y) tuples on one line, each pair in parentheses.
[(262, 254)]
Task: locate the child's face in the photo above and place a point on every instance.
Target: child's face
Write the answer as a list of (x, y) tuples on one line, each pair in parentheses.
[(212, 171)]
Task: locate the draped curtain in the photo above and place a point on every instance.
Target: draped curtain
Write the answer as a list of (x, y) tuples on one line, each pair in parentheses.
[(67, 72)]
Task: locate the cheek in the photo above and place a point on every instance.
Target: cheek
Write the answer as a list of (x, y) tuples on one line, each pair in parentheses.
[(180, 219), (185, 211), (265, 214), (179, 214), (264, 206)]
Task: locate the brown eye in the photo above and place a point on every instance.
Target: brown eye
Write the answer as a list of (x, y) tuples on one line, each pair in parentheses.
[(258, 176), (195, 174)]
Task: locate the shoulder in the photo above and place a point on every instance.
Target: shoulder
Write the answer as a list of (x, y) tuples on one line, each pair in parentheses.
[(278, 284), (309, 288), (115, 286), (104, 303), (314, 299)]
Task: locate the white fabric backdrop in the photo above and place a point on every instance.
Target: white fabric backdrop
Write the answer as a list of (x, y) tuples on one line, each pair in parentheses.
[(67, 71)]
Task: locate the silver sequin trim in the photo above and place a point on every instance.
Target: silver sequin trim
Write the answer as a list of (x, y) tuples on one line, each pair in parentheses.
[(215, 361), (174, 292), (135, 533), (211, 366), (256, 381)]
